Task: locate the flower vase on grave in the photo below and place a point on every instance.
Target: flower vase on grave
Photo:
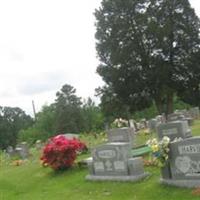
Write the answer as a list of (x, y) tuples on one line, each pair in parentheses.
[(166, 171)]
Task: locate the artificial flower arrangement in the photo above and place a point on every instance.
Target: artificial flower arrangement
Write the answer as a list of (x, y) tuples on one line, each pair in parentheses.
[(119, 123), (60, 152), (160, 150)]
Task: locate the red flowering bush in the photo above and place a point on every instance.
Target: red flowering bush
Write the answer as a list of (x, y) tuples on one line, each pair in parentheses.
[(60, 152)]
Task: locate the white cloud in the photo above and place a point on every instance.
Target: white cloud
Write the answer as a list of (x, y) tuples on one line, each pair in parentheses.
[(40, 83), (196, 5), (44, 45)]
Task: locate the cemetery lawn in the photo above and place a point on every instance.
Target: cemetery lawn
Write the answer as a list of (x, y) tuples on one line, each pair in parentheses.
[(30, 181)]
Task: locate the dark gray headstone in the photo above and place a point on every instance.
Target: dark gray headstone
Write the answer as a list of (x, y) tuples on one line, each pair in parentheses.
[(180, 116), (185, 159), (175, 117), (175, 129), (111, 159), (125, 134)]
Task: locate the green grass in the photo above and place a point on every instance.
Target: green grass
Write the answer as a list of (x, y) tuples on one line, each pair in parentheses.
[(30, 181)]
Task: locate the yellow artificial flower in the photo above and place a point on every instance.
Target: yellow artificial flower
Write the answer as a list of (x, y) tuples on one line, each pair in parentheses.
[(155, 147)]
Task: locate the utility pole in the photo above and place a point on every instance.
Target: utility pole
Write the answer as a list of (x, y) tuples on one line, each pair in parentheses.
[(34, 113)]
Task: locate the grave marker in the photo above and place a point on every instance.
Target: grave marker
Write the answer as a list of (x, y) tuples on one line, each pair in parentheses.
[(184, 163), (125, 134), (174, 129), (22, 150), (195, 112), (112, 161)]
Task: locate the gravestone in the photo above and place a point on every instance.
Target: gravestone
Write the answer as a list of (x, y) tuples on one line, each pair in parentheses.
[(132, 124), (160, 119), (183, 168), (22, 150), (10, 151), (184, 112), (139, 126), (136, 126), (125, 134), (71, 135), (195, 112), (174, 129), (143, 123), (175, 117), (179, 116), (152, 124), (113, 161), (38, 145)]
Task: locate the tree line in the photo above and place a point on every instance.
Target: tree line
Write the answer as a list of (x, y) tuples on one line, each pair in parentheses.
[(68, 114)]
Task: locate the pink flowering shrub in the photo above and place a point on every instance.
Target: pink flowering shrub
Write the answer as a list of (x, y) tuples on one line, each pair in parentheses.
[(60, 152)]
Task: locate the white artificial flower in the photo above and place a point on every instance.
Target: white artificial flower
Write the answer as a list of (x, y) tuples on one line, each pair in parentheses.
[(165, 140)]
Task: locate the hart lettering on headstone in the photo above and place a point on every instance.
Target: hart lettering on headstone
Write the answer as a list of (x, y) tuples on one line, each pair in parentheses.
[(183, 167), (185, 159)]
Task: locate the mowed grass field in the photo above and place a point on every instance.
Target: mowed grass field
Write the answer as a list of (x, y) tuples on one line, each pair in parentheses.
[(30, 181)]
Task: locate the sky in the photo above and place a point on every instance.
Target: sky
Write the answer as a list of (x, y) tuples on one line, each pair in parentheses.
[(45, 44)]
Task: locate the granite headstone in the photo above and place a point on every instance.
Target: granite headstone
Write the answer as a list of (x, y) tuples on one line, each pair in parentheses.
[(174, 129), (126, 134), (184, 163), (113, 161)]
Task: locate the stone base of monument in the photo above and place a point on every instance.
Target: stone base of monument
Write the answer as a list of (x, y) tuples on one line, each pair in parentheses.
[(181, 183), (131, 170), (117, 178)]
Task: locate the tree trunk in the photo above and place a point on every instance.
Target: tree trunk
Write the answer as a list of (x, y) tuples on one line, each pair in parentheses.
[(169, 106), (159, 105)]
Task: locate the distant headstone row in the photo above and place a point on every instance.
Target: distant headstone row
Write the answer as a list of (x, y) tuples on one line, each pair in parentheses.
[(21, 151), (179, 115)]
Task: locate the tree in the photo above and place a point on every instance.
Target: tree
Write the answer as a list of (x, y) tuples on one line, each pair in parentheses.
[(93, 119), (111, 105), (12, 120), (144, 47), (192, 94), (43, 128), (68, 110)]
